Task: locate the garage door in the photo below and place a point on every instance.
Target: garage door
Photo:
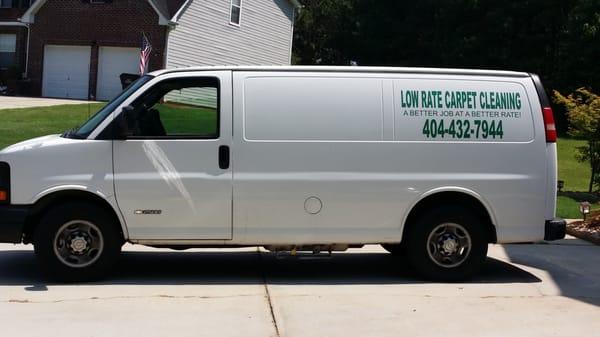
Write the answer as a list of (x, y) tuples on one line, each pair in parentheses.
[(66, 71), (112, 62)]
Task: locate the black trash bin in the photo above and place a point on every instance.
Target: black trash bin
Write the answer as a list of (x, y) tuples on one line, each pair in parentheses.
[(24, 87)]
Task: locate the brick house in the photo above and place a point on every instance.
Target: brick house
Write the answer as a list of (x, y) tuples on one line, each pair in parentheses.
[(13, 38), (78, 48)]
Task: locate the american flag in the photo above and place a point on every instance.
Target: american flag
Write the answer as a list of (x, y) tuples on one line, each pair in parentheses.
[(145, 54)]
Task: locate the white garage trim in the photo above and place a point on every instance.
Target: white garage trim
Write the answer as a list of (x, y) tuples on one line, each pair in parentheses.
[(112, 62), (66, 72)]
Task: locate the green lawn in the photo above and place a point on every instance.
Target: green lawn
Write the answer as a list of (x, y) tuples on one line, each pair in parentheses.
[(567, 207), (20, 124), (576, 175), (176, 119)]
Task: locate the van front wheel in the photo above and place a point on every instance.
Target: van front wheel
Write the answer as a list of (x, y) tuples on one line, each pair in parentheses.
[(447, 244), (77, 242)]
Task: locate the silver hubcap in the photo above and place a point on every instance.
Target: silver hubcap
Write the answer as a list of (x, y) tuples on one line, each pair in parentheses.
[(78, 243), (449, 245)]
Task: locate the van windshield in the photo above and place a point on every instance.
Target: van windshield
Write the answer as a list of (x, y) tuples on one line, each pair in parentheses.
[(86, 129)]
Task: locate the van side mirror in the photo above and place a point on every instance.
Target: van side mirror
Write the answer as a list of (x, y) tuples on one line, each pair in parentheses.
[(126, 118)]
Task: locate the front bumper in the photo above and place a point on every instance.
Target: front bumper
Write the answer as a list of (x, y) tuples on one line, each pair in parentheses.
[(12, 222), (555, 229)]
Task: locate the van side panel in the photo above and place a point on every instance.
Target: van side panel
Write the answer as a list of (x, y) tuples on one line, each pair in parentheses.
[(312, 109), (316, 160), (306, 144), (458, 120), (473, 111)]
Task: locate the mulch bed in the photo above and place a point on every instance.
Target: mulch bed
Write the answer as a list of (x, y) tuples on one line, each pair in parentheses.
[(588, 230)]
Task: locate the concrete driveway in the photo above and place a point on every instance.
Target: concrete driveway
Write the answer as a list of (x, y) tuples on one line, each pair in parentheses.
[(525, 290), (12, 102)]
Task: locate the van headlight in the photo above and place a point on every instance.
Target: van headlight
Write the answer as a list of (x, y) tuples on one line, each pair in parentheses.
[(4, 183)]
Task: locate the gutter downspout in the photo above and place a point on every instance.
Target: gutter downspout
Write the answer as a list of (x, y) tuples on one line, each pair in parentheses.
[(173, 23), (27, 53), (292, 33), (166, 51)]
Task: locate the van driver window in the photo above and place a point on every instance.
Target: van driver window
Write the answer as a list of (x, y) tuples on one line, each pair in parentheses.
[(177, 108)]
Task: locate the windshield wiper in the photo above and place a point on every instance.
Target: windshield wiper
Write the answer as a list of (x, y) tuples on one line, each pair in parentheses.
[(72, 133)]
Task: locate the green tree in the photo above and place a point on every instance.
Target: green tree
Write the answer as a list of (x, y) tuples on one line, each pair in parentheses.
[(323, 31), (557, 39), (583, 112)]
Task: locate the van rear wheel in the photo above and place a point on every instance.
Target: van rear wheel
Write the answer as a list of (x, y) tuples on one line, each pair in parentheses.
[(77, 242), (447, 244)]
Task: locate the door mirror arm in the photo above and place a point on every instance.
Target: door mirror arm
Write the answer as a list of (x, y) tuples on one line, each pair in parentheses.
[(121, 123)]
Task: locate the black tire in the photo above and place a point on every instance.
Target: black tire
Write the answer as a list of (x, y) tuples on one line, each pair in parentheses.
[(82, 226), (395, 249), (435, 225)]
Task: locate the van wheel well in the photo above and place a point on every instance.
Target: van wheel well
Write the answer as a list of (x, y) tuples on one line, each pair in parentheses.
[(63, 197), (453, 199)]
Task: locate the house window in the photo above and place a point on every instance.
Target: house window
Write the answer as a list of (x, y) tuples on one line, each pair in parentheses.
[(8, 47), (236, 12), (6, 3)]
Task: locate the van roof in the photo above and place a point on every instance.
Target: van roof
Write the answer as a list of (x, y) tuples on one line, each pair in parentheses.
[(352, 69)]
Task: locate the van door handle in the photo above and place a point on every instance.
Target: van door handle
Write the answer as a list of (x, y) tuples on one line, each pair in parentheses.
[(223, 157)]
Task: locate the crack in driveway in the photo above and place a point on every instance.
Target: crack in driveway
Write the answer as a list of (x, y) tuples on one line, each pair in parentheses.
[(267, 293)]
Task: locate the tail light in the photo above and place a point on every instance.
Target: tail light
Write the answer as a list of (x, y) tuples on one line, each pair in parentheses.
[(4, 183), (549, 125)]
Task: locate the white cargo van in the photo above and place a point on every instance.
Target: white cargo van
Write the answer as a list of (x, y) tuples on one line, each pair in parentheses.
[(433, 164)]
